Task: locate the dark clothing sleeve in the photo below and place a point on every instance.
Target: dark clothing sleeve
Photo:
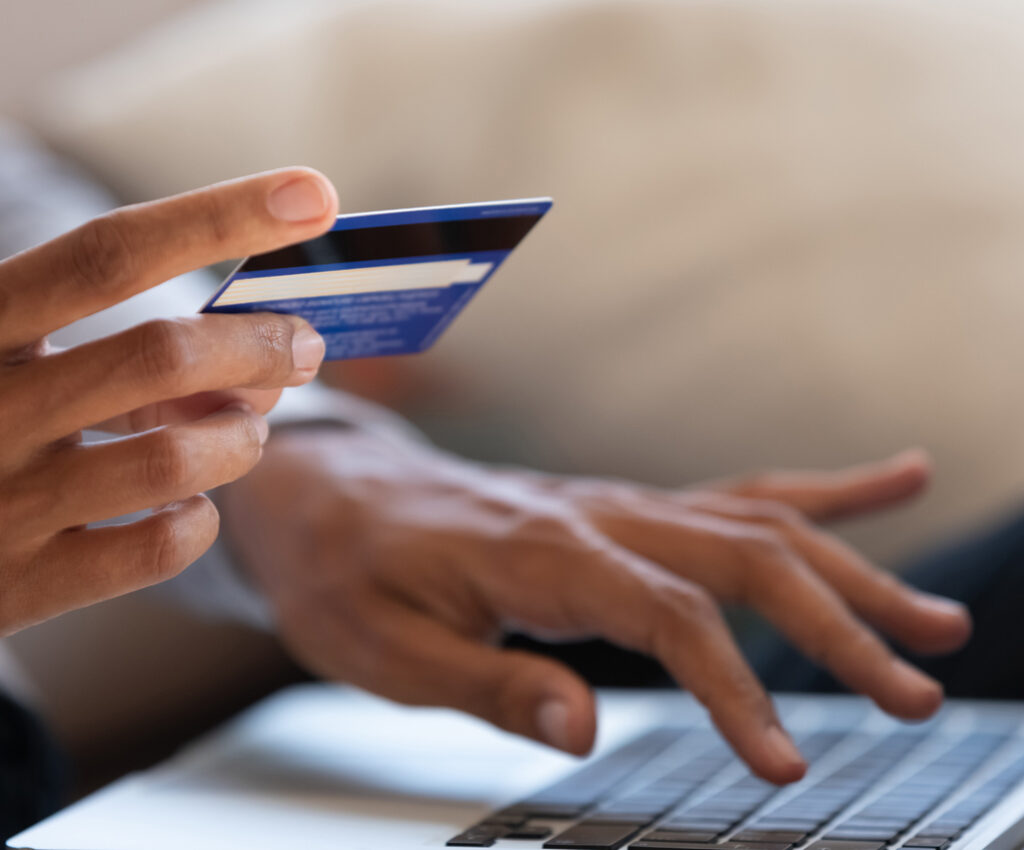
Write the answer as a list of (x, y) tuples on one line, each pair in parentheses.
[(32, 771)]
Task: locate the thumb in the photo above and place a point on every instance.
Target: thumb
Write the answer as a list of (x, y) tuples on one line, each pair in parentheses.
[(540, 699), (526, 694)]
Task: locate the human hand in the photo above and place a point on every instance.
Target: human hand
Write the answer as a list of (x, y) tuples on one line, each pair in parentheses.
[(396, 567), (167, 384)]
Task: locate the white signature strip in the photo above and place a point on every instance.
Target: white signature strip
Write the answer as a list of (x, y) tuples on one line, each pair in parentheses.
[(428, 275)]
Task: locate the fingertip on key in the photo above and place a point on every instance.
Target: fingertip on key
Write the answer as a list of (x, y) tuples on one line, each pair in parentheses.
[(919, 696), (788, 764)]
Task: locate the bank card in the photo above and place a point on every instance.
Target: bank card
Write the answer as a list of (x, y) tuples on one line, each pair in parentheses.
[(386, 282)]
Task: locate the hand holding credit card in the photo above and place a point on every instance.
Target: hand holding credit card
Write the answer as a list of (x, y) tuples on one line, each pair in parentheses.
[(384, 282)]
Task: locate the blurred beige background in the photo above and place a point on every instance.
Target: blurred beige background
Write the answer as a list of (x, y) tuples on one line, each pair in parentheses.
[(41, 36)]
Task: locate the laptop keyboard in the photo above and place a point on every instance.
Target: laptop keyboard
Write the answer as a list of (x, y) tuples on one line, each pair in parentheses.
[(683, 789)]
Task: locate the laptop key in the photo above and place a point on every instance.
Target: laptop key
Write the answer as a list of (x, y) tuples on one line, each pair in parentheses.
[(846, 845), (940, 829), (475, 838), (480, 835), (682, 835), (777, 836), (529, 832), (587, 836), (753, 845), (647, 844), (626, 818), (841, 833)]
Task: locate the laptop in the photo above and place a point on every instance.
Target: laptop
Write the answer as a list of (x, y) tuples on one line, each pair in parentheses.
[(323, 767)]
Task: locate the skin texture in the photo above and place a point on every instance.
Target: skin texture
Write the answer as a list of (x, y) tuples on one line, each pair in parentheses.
[(165, 385), (396, 567)]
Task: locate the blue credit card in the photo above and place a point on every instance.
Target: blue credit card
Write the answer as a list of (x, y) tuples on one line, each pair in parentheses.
[(383, 282)]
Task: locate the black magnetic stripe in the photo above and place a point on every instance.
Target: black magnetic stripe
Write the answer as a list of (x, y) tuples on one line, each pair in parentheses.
[(399, 240)]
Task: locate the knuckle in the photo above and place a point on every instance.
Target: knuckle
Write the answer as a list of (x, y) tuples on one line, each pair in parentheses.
[(767, 566), (166, 353), (101, 257), (762, 548), (272, 344), (177, 537), (602, 495), (169, 549), (689, 606), (212, 219), (778, 513), (545, 527), (168, 463), (685, 615), (249, 438), (827, 642), (731, 688)]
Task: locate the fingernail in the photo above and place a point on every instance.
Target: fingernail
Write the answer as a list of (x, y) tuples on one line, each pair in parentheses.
[(553, 723), (263, 429), (941, 605), (907, 457), (298, 200), (782, 748), (307, 349)]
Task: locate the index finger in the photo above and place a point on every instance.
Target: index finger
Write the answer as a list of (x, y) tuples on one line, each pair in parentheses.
[(634, 603), (134, 248)]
